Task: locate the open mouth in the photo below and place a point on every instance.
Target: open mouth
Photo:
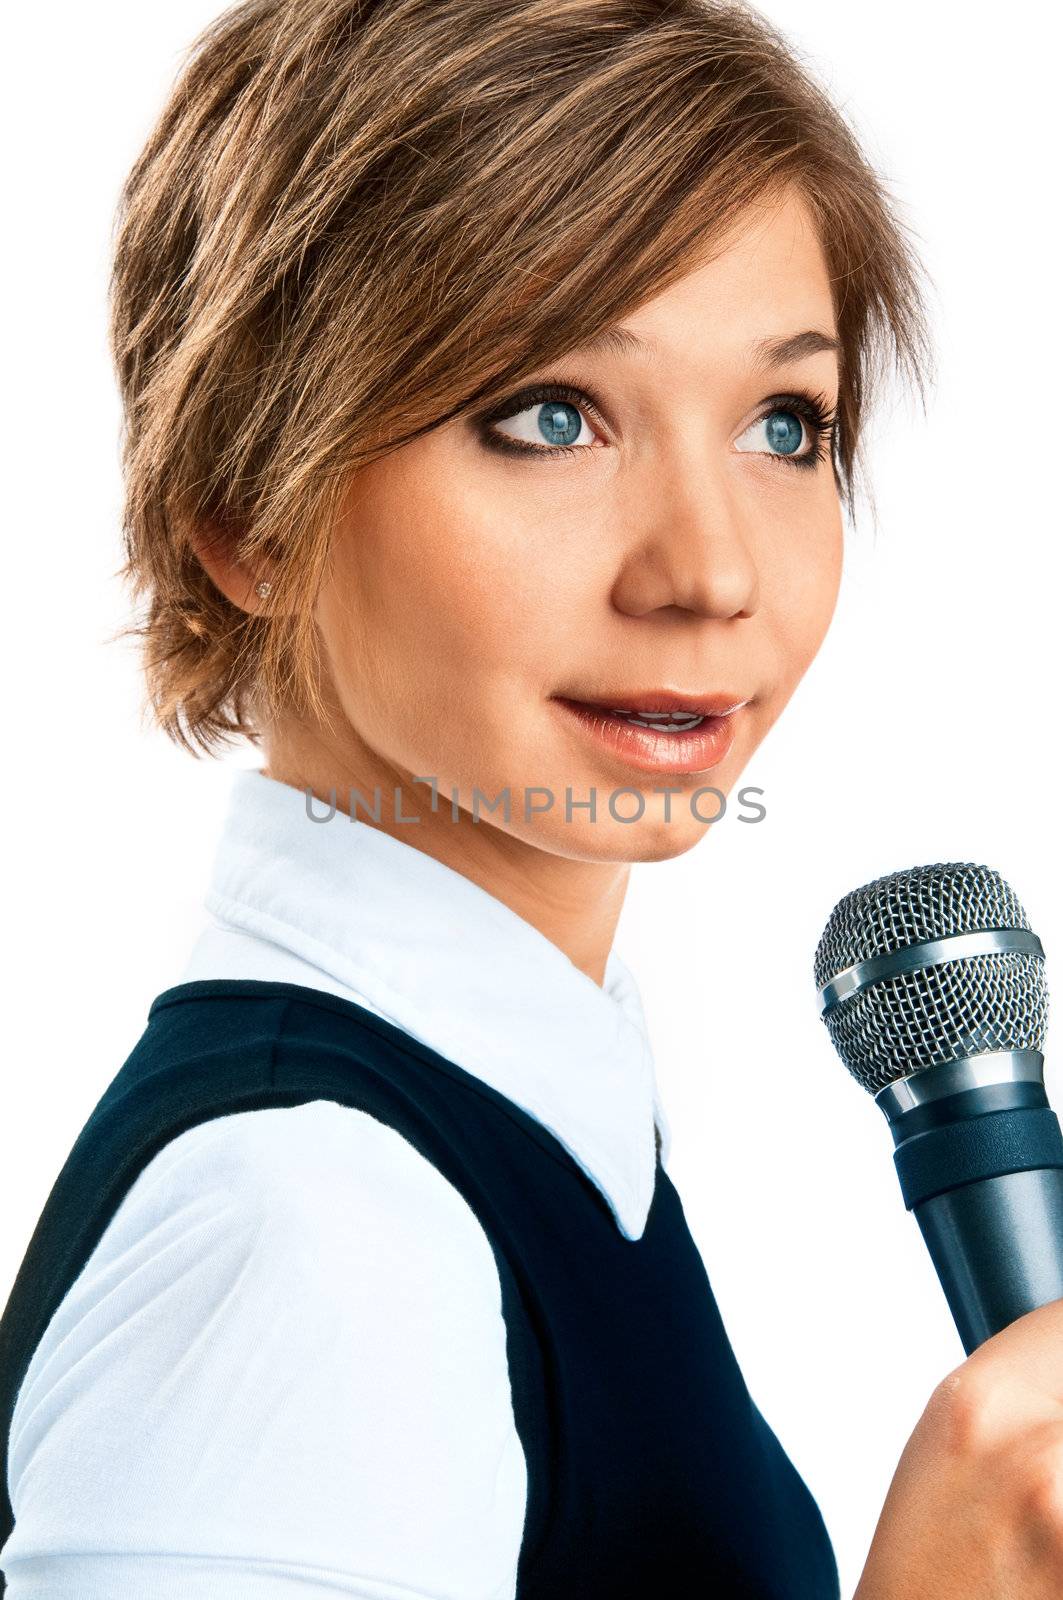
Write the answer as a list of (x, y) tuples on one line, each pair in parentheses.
[(661, 721), (672, 738)]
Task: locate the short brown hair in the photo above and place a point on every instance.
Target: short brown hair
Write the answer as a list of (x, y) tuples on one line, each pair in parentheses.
[(357, 219)]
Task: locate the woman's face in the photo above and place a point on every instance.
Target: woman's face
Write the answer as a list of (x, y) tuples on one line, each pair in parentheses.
[(687, 543)]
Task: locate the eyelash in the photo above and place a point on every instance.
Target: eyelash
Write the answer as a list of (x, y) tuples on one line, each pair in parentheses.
[(814, 409)]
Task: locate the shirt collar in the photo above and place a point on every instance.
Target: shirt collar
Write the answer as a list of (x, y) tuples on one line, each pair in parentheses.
[(454, 967)]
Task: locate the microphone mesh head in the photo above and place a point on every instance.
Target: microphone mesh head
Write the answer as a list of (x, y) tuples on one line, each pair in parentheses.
[(965, 1007)]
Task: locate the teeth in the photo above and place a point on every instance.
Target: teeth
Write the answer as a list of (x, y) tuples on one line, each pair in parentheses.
[(662, 721)]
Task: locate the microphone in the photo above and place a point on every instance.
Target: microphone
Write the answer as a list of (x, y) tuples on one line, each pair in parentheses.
[(931, 985)]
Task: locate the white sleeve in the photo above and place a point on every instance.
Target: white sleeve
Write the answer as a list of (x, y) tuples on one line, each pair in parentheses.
[(281, 1373)]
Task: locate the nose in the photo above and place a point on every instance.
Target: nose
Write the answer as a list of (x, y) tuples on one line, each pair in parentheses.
[(697, 556)]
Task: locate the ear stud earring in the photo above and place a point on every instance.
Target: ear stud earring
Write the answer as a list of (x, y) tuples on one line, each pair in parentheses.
[(263, 588)]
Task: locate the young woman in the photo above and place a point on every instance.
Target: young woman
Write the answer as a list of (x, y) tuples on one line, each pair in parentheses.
[(494, 374)]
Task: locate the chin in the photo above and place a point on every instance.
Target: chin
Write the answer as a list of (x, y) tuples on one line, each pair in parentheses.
[(663, 841), (649, 839)]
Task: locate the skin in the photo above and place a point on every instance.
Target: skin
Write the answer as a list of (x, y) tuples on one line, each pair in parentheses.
[(673, 549), (975, 1508)]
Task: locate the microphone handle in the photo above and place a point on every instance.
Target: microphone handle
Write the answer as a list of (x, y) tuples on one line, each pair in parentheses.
[(997, 1248), (982, 1170)]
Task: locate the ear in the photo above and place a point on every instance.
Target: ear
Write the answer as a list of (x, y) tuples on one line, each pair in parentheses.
[(238, 583)]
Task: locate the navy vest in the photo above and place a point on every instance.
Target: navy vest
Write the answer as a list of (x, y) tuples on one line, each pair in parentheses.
[(650, 1469)]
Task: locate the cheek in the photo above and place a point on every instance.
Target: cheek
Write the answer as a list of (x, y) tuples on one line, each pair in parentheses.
[(441, 597), (801, 579)]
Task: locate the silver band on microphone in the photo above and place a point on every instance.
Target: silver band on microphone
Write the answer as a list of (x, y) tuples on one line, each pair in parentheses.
[(930, 953), (953, 1077)]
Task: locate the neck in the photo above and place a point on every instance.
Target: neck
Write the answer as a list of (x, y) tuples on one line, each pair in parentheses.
[(576, 904)]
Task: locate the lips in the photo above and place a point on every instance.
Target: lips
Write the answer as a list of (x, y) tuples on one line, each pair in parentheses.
[(659, 701), (658, 731)]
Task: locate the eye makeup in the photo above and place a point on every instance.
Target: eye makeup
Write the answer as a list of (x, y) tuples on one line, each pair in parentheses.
[(814, 409), (522, 400)]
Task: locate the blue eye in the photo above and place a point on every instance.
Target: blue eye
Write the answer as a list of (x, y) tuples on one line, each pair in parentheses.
[(553, 423), (784, 432)]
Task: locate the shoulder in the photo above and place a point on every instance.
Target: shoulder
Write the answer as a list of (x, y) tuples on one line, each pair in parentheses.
[(295, 1182), (292, 1321)]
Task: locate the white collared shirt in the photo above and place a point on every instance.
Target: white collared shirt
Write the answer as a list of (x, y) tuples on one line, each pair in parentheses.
[(282, 1371)]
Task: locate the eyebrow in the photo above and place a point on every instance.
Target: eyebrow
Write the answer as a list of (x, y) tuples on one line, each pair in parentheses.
[(766, 352), (777, 352)]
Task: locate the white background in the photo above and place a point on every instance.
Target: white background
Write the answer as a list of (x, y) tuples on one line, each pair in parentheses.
[(926, 730)]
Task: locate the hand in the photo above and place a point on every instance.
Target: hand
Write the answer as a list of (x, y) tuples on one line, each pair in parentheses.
[(975, 1508)]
